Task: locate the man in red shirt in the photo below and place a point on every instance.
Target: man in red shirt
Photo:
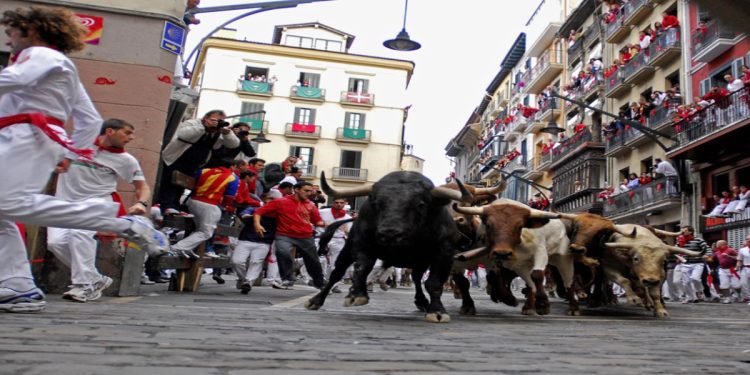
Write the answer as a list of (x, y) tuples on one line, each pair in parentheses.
[(295, 217), (669, 21)]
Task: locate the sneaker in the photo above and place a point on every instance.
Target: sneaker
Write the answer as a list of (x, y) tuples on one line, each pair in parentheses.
[(187, 254), (286, 284), (239, 284), (75, 289), (28, 301), (98, 287), (246, 288), (211, 255), (726, 300), (171, 211), (143, 235), (146, 281), (219, 279)]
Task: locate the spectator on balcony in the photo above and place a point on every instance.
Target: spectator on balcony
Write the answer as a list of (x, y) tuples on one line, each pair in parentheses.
[(669, 21), (644, 40), (633, 181), (606, 193), (623, 188), (572, 38), (665, 169), (719, 95), (723, 203), (733, 84), (625, 54), (645, 179), (579, 127), (657, 98), (702, 29), (658, 29), (596, 65), (740, 196)]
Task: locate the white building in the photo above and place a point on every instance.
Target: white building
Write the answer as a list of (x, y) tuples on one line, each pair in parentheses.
[(342, 113)]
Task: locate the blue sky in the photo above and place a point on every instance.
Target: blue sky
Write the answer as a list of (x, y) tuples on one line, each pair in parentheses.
[(463, 43)]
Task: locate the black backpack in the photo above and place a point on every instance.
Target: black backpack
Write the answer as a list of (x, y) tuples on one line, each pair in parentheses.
[(271, 175)]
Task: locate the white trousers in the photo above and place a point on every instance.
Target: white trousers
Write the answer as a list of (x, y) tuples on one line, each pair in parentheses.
[(687, 280), (28, 157), (206, 217), (247, 260), (727, 280), (745, 282), (334, 249), (272, 266)]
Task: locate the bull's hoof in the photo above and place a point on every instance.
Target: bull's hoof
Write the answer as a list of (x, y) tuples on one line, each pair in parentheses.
[(528, 311), (661, 314), (438, 317), (311, 304), (457, 294), (467, 310), (360, 301), (572, 312), (635, 300)]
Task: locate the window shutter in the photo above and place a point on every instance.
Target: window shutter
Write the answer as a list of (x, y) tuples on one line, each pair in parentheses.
[(296, 115), (293, 151), (705, 85), (348, 120), (361, 120), (358, 159), (312, 153), (313, 79), (312, 116), (352, 85), (365, 85)]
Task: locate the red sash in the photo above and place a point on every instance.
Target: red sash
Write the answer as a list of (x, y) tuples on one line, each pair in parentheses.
[(42, 122)]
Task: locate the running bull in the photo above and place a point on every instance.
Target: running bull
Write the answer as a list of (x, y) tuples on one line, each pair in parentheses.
[(406, 223)]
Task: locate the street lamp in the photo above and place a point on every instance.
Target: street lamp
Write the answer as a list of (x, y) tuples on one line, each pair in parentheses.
[(402, 41), (552, 127)]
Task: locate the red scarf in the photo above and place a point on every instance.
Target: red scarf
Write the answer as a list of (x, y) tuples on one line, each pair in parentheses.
[(338, 214), (114, 150)]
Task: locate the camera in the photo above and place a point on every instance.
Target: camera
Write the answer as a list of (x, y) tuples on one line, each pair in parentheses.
[(221, 124), (243, 133)]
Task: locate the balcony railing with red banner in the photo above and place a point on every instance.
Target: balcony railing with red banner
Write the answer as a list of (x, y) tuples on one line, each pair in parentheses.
[(642, 196), (358, 98), (302, 130), (724, 112)]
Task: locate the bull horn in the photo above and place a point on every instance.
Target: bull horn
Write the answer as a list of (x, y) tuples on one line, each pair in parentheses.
[(353, 192), (679, 250), (454, 195), (618, 245), (493, 190), (626, 234), (664, 233), (468, 210), (539, 214), (466, 196), (472, 254)]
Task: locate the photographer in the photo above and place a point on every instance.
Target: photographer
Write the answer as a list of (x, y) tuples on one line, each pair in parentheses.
[(242, 131), (190, 149)]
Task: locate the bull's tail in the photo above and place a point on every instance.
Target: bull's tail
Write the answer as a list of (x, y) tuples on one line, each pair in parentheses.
[(327, 235)]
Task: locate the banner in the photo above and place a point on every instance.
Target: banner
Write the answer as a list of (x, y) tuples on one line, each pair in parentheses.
[(95, 24)]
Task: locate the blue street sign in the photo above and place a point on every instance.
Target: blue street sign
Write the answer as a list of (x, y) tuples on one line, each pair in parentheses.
[(172, 38)]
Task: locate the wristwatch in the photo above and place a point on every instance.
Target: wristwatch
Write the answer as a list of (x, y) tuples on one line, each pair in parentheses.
[(144, 203)]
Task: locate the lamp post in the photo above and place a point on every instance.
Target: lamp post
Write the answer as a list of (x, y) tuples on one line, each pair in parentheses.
[(402, 42), (648, 132), (552, 127)]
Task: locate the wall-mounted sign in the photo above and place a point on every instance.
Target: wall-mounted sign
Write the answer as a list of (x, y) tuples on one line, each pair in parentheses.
[(172, 38), (95, 24)]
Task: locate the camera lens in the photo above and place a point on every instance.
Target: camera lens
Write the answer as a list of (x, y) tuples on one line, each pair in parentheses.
[(221, 124), (243, 133)]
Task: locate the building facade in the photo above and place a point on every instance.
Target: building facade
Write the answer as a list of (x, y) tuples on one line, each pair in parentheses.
[(341, 113)]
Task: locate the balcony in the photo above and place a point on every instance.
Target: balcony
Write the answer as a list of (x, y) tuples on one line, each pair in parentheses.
[(665, 48), (515, 128), (736, 222), (616, 31), (659, 194), (254, 88), (635, 11), (309, 171), (592, 85), (349, 174), (547, 67), (581, 201), (350, 135), (545, 160), (306, 131), (637, 69), (502, 98), (709, 129), (570, 147), (546, 111), (256, 125), (591, 35), (710, 44), (574, 51), (532, 167), (615, 143), (357, 99), (614, 87), (313, 94)]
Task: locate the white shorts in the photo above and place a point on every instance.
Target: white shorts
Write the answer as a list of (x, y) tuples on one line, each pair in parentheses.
[(728, 280)]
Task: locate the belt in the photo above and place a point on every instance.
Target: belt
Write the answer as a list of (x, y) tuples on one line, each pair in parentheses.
[(43, 123)]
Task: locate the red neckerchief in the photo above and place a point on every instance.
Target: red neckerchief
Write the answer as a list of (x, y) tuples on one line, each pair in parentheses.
[(337, 214), (114, 150)]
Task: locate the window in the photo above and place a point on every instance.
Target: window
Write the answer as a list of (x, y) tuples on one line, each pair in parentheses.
[(249, 107), (304, 153), (358, 85), (309, 79), (255, 72), (624, 173), (299, 41), (354, 120), (646, 165), (351, 159), (305, 116), (328, 45)]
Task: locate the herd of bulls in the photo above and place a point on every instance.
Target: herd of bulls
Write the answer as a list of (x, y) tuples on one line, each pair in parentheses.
[(408, 222)]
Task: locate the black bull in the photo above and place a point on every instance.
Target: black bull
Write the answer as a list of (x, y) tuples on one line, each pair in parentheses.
[(406, 223)]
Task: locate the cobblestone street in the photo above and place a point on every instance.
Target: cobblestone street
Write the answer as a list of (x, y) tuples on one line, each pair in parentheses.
[(219, 331)]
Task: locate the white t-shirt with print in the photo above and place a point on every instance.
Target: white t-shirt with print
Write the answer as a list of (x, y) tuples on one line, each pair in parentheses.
[(97, 178)]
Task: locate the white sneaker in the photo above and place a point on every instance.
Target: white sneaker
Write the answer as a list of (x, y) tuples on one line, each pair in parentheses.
[(75, 290), (211, 254), (98, 287), (146, 281), (17, 301), (143, 235), (171, 211)]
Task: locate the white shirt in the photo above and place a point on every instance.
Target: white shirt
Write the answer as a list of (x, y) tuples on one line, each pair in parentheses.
[(666, 169), (97, 178), (44, 80), (328, 218), (735, 85), (289, 178), (743, 254)]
